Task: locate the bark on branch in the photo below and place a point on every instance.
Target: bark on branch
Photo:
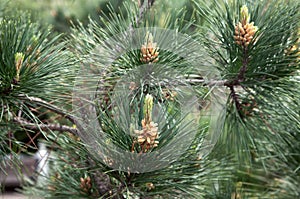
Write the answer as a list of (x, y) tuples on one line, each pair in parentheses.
[(45, 127), (146, 5), (48, 106)]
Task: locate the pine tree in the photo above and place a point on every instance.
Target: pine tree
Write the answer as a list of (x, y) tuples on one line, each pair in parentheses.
[(201, 104)]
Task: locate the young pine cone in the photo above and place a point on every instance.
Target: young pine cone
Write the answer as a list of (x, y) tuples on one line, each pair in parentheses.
[(149, 50), (85, 184), (244, 34), (148, 135), (244, 31)]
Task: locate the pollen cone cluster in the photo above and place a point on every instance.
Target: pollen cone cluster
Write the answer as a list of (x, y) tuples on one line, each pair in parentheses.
[(149, 50), (244, 31), (85, 184), (19, 58), (146, 137)]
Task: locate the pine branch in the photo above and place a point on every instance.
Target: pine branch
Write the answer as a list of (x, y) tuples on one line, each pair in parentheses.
[(143, 8), (235, 99), (54, 127), (147, 4), (241, 75), (240, 78), (49, 106)]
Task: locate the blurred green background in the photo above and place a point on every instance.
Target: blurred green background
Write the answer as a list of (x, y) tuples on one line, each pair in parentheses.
[(62, 13)]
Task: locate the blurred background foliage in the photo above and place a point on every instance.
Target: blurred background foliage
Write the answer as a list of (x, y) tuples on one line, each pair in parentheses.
[(62, 13)]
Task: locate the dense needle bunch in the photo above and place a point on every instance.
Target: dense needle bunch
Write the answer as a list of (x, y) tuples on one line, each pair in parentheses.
[(244, 31)]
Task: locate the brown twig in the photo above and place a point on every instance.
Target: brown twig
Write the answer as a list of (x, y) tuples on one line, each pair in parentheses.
[(54, 127), (143, 8), (147, 4), (240, 78), (235, 99), (31, 140), (49, 106), (241, 75)]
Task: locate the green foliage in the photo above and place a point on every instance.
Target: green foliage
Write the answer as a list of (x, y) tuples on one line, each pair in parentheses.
[(260, 77), (32, 66), (61, 14), (262, 122), (71, 161), (257, 153)]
